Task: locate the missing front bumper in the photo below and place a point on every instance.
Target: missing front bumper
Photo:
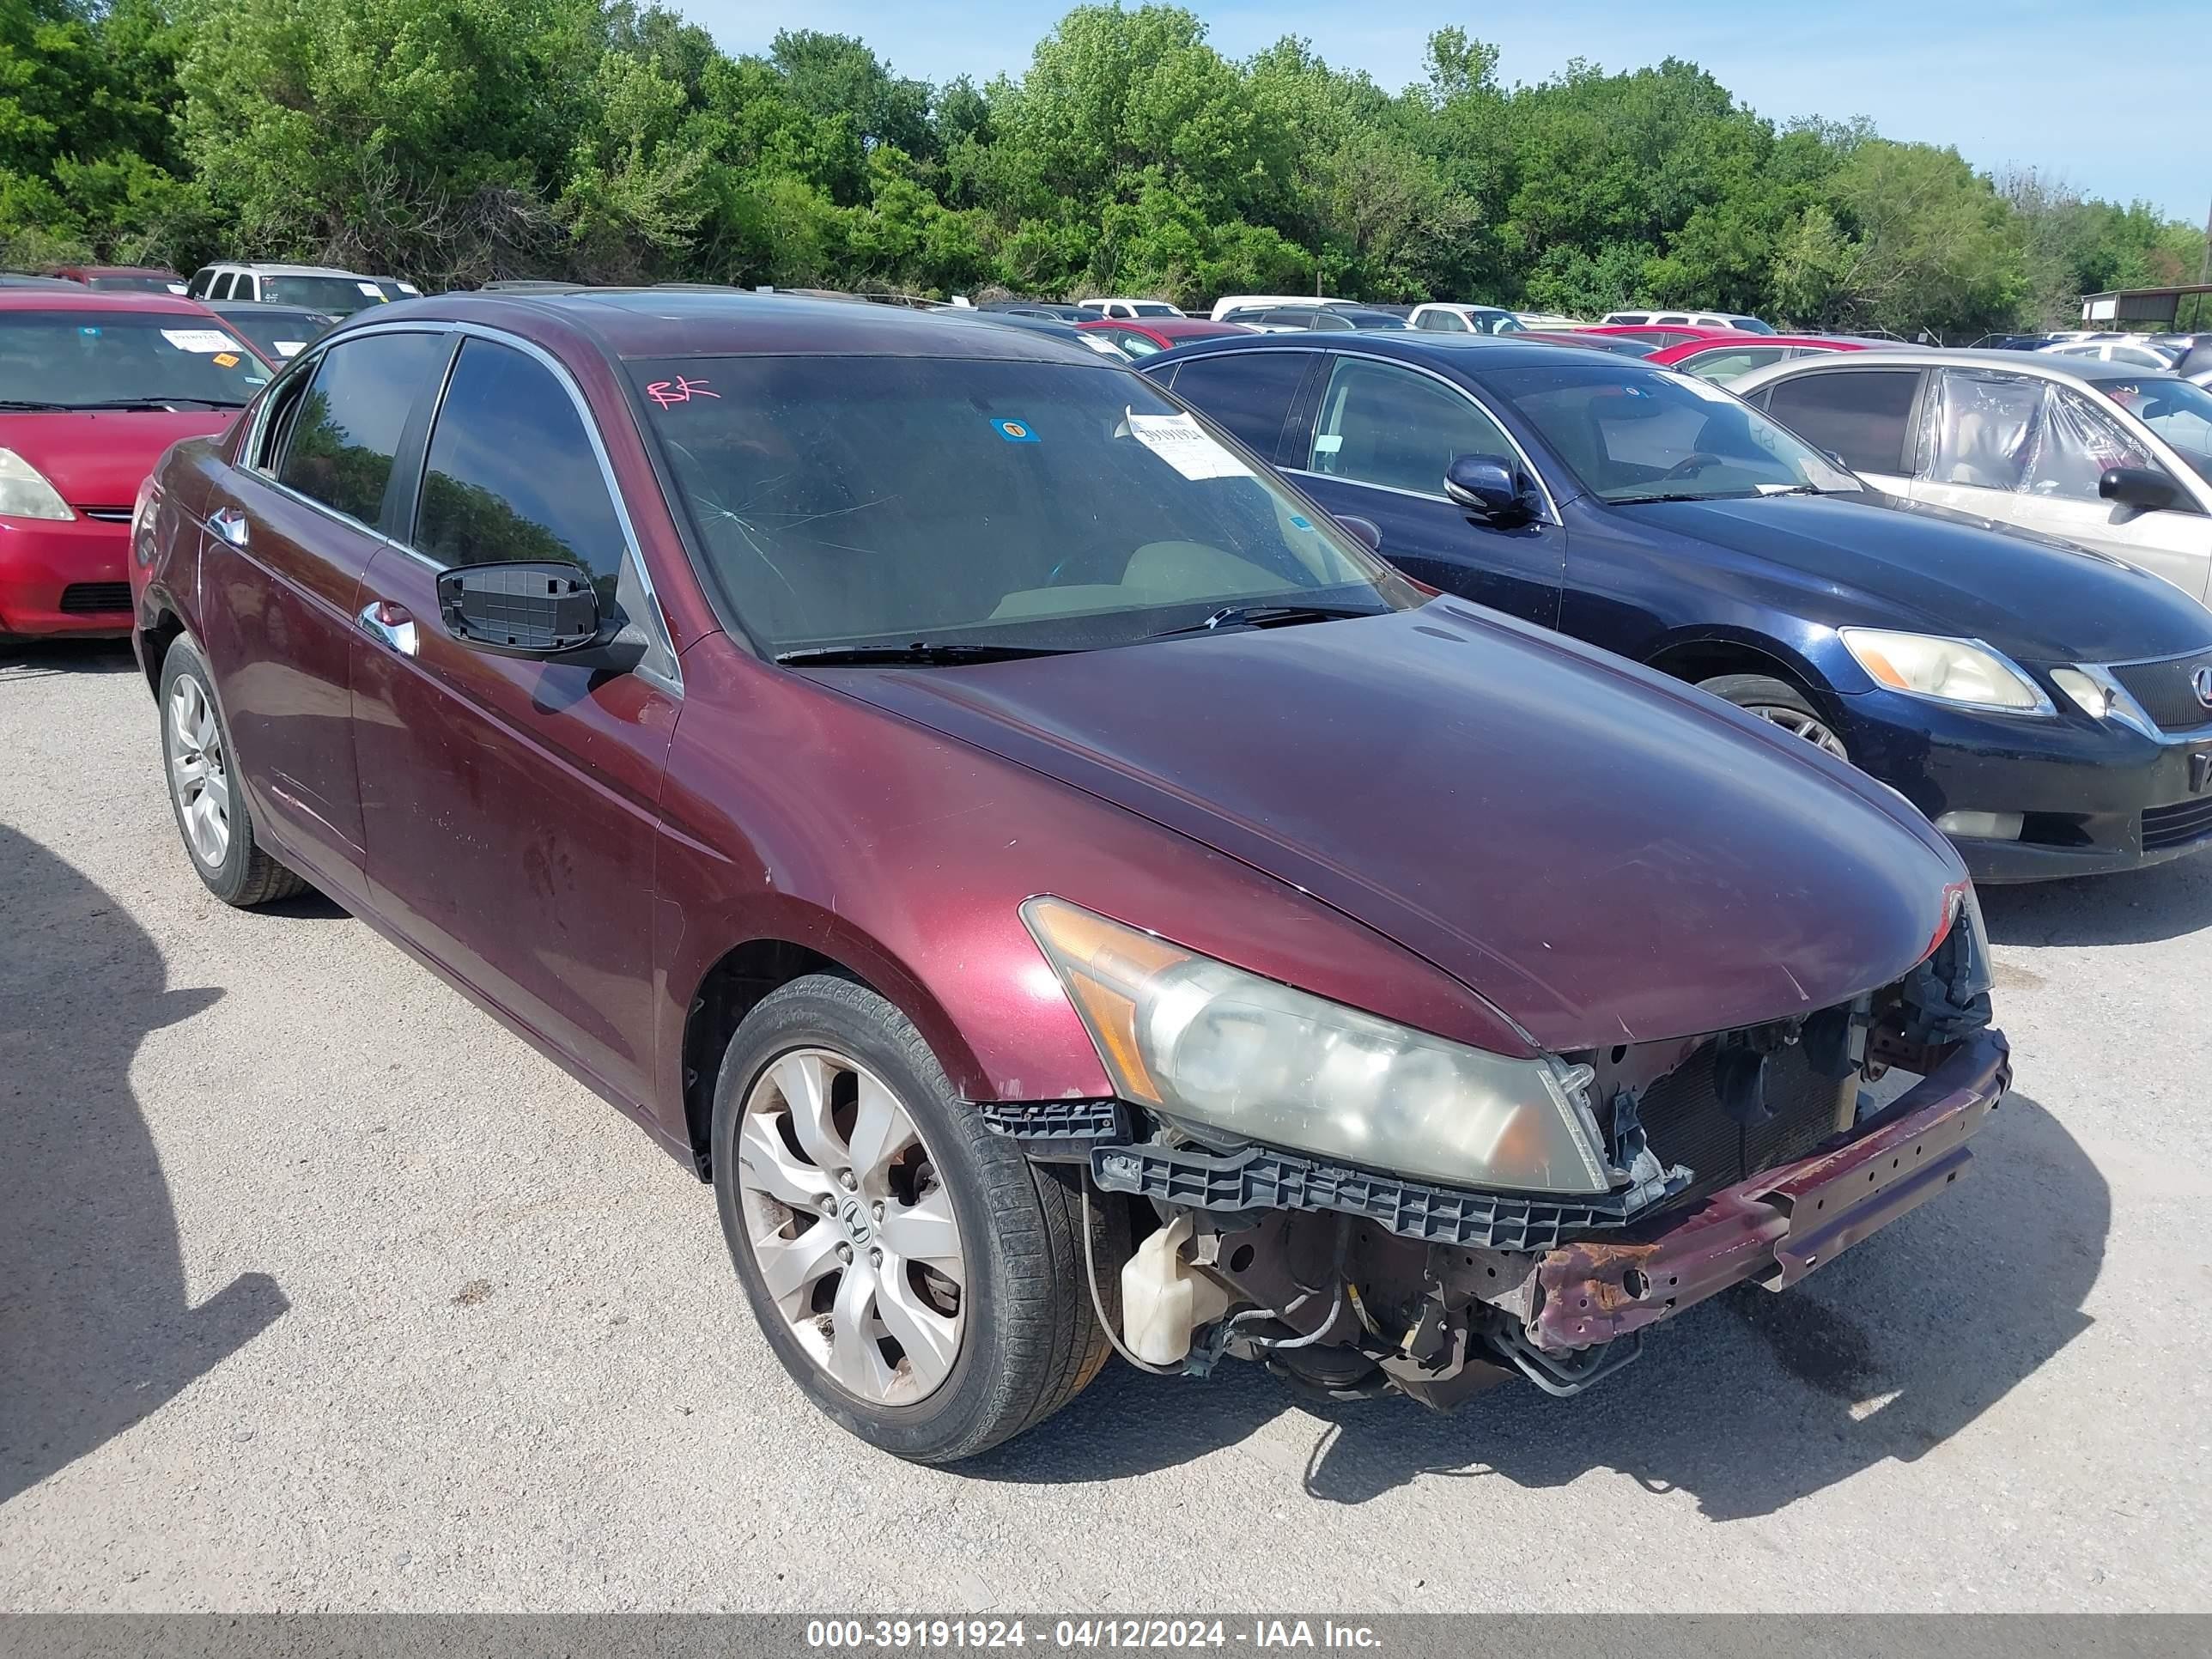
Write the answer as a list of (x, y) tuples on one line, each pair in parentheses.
[(1781, 1223)]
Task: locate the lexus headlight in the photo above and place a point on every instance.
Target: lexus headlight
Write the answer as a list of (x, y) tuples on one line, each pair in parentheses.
[(1963, 671), (1214, 1046), (25, 493)]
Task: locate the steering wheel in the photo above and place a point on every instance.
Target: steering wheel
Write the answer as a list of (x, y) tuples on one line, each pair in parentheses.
[(1690, 465)]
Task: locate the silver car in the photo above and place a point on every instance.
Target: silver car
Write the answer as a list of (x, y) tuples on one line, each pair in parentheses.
[(2109, 455)]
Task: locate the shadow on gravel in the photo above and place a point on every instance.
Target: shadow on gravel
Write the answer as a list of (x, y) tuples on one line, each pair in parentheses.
[(2138, 908), (31, 659), (1749, 1402), (94, 1329)]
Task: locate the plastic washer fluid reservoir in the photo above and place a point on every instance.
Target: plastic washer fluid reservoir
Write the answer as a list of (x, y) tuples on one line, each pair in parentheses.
[(1164, 1299)]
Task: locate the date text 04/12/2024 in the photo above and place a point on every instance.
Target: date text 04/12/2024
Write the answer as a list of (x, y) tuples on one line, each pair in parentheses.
[(834, 1634)]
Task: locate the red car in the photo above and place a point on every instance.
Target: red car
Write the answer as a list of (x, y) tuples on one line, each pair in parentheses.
[(93, 388), (1725, 355), (1150, 335), (1051, 878), (124, 279)]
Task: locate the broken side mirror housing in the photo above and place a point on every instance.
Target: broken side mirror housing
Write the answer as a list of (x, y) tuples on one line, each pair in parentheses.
[(2144, 487), (1486, 485), (541, 609)]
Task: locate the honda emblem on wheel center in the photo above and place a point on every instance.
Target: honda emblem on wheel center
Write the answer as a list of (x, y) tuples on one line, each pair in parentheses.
[(855, 1218)]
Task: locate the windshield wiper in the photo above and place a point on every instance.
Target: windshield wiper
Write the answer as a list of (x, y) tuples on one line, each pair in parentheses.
[(29, 402), (1669, 496), (1266, 616), (156, 403), (926, 653)]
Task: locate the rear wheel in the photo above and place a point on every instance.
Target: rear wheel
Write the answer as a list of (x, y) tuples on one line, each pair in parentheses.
[(919, 1279), (1779, 703), (204, 790)]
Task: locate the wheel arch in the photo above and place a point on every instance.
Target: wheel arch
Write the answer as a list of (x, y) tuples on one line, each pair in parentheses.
[(161, 625), (1706, 655), (748, 971)]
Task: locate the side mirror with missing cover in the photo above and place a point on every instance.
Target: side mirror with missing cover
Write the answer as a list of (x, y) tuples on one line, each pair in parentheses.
[(543, 610)]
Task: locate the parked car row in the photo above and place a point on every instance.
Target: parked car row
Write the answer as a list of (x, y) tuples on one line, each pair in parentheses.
[(1385, 853)]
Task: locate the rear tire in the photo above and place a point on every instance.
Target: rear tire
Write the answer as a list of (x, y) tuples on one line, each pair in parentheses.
[(206, 794), (1028, 1341), (1779, 703)]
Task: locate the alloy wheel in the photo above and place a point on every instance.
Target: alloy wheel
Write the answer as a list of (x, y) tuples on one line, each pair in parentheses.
[(852, 1227), (198, 772), (1797, 722)]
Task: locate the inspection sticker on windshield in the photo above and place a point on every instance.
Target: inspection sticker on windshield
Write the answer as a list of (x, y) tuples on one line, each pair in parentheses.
[(205, 341), (1015, 432), (1182, 444)]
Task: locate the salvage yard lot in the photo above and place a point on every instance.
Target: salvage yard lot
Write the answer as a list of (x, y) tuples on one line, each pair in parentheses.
[(319, 1291)]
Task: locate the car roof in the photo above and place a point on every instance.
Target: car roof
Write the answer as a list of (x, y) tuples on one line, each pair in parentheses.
[(1191, 328), (647, 322), (1467, 353), (1722, 339), (119, 270), (2049, 365), (260, 270), (70, 296)]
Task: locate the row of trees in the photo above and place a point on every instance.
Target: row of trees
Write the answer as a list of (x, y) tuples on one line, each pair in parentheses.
[(458, 140)]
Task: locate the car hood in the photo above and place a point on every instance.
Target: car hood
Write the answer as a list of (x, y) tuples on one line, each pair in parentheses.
[(1602, 854), (101, 460), (2033, 597)]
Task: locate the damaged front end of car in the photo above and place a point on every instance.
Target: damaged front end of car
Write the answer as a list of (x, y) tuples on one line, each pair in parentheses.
[(1287, 1166)]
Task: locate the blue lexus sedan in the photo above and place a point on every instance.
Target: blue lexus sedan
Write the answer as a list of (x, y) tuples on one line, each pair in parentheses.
[(2048, 708)]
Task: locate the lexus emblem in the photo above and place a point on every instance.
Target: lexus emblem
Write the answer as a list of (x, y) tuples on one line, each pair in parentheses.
[(2201, 683)]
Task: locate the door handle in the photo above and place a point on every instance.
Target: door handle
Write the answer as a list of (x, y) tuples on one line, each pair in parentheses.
[(230, 524), (390, 623)]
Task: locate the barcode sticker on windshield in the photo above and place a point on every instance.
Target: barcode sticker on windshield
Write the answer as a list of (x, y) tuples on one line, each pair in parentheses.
[(1183, 445), (205, 341)]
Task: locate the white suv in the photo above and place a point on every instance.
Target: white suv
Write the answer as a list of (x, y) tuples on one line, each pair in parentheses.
[(1128, 310), (319, 287), (1691, 320), (1438, 319)]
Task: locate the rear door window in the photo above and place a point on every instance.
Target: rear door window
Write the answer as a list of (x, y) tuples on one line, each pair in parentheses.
[(347, 427), (1381, 424), (1863, 416), (1250, 392), (512, 473)]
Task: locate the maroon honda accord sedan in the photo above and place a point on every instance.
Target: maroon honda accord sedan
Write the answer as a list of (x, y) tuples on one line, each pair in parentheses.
[(1058, 886)]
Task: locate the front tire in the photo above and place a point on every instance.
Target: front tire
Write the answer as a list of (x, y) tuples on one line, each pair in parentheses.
[(918, 1278), (1779, 703), (205, 792)]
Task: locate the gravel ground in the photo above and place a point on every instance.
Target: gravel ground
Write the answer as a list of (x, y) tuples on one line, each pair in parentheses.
[(319, 1291)]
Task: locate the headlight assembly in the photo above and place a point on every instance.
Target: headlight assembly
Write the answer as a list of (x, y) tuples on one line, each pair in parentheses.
[(1965, 673), (25, 493), (1213, 1046)]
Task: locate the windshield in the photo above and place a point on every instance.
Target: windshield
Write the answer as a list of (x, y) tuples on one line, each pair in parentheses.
[(1501, 322), (886, 500), (2178, 412), (280, 334), (342, 294), (1749, 326), (1153, 308), (1629, 433), (134, 284), (86, 358)]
